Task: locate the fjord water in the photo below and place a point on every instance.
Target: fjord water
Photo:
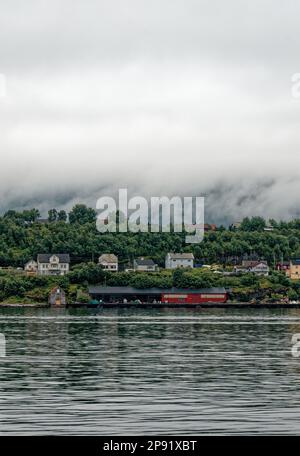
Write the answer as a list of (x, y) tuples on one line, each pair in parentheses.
[(129, 372)]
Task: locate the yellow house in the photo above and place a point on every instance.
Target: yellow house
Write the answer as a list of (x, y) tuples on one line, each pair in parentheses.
[(295, 269)]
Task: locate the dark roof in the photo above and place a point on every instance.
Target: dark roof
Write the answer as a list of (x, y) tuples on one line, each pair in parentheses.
[(252, 263), (295, 261), (45, 257), (149, 291), (144, 262), (181, 256), (256, 263)]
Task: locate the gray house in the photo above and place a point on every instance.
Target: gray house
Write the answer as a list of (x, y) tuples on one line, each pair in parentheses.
[(142, 264)]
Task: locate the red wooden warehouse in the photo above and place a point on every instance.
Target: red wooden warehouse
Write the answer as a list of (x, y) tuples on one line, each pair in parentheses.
[(149, 295)]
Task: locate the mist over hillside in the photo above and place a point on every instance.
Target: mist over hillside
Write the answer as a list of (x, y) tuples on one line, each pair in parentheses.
[(180, 98)]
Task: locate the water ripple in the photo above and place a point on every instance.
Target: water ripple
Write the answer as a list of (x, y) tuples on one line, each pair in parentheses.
[(120, 372)]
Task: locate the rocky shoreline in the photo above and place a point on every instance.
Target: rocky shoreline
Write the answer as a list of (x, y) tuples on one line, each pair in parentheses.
[(206, 305)]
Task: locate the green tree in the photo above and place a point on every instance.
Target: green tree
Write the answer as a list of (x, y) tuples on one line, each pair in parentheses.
[(253, 224), (52, 215), (62, 216), (82, 214)]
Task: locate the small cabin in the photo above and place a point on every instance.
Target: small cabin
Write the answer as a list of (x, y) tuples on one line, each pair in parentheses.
[(57, 297)]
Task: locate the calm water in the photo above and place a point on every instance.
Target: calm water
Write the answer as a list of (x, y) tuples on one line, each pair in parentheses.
[(149, 372)]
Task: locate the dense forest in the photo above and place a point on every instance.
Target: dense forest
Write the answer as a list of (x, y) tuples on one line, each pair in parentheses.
[(25, 234)]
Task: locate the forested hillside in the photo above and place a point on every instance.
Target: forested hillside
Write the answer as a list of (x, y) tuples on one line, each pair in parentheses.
[(23, 235)]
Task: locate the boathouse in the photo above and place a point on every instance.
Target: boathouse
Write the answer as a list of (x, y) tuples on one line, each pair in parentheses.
[(57, 297), (151, 295)]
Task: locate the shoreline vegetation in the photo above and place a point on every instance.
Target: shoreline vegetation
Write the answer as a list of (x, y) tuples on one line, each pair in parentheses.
[(207, 305), (24, 235)]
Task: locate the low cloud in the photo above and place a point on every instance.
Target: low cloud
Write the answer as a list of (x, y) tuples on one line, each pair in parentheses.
[(182, 99)]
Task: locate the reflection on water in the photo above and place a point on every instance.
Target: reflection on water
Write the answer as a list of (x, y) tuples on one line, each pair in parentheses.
[(149, 372)]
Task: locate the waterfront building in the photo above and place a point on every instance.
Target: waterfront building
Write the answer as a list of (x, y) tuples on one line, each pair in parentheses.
[(171, 296)]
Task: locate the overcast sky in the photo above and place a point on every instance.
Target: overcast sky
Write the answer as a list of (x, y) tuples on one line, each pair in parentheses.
[(175, 97)]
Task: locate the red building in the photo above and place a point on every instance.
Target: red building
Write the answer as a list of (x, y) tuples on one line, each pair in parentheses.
[(210, 227), (195, 297), (283, 266), (150, 295)]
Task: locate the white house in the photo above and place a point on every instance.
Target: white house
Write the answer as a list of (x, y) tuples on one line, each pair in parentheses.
[(142, 264), (31, 267), (108, 261), (179, 260), (53, 264), (260, 268)]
